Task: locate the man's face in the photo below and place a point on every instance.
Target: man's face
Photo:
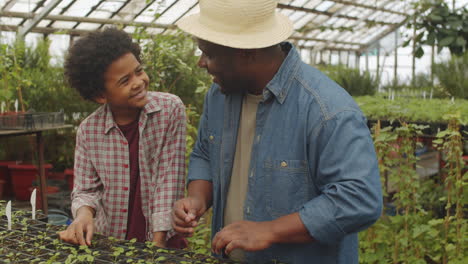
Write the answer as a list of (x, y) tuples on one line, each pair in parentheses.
[(225, 65), (126, 83)]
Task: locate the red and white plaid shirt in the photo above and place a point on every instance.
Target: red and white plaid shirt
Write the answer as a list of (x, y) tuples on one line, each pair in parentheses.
[(102, 171)]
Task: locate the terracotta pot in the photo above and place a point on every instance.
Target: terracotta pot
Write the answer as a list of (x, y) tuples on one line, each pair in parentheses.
[(2, 184), (69, 176), (5, 176), (22, 177)]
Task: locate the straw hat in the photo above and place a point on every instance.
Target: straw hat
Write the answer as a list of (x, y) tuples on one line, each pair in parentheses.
[(243, 24)]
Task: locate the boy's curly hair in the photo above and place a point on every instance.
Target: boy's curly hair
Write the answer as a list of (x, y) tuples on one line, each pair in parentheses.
[(90, 56)]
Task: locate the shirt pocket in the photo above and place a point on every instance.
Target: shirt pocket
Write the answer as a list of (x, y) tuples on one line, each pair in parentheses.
[(212, 137), (287, 185)]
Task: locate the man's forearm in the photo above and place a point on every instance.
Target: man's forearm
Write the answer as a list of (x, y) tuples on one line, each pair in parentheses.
[(201, 190), (290, 229)]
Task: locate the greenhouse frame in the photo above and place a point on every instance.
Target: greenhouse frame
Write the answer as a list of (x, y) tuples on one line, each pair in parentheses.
[(404, 63)]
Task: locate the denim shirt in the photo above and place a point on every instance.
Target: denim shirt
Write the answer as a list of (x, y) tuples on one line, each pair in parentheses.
[(312, 153)]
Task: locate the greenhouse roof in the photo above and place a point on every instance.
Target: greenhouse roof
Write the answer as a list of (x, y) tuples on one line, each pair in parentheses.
[(336, 25)]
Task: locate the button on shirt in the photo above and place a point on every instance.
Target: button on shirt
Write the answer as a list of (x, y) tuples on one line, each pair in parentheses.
[(136, 224), (102, 171), (315, 157)]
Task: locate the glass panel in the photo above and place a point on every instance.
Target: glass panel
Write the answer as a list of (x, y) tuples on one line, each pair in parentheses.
[(88, 26), (176, 11), (58, 9), (81, 8)]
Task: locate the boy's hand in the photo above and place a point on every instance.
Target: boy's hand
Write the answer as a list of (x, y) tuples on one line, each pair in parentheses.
[(82, 229), (186, 214)]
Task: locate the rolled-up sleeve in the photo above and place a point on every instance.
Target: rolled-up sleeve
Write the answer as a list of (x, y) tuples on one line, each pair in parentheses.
[(343, 158), (87, 186), (199, 167), (171, 170)]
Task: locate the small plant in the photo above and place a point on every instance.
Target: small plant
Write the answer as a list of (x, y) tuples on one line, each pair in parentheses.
[(455, 225), (82, 255)]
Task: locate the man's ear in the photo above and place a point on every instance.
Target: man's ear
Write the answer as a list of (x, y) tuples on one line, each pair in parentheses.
[(100, 99)]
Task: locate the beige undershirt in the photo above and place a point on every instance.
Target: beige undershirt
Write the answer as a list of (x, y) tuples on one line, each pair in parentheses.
[(239, 179)]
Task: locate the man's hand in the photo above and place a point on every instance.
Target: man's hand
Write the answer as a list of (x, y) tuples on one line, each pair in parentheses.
[(246, 235), (82, 229), (186, 214)]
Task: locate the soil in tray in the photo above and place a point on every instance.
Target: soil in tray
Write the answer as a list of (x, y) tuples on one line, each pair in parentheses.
[(37, 252), (163, 259), (54, 257), (109, 258), (96, 260), (102, 244), (55, 228), (14, 226), (20, 258), (194, 256), (13, 244)]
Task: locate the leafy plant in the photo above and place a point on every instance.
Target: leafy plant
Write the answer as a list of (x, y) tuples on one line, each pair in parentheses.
[(439, 25), (414, 231), (453, 75), (354, 81), (171, 64), (450, 143), (411, 109)]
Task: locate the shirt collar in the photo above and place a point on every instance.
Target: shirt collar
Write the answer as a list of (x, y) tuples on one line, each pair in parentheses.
[(280, 84), (151, 107)]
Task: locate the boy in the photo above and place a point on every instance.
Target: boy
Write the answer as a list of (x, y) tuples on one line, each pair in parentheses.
[(129, 156)]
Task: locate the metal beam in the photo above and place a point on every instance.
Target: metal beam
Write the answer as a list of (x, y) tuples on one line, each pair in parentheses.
[(325, 13), (90, 11), (186, 11), (9, 5), (44, 30), (22, 31), (328, 49), (384, 33), (88, 20), (353, 3), (296, 37), (361, 19), (118, 10), (64, 9)]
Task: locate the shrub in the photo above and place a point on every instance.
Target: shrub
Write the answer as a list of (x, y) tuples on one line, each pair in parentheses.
[(355, 82), (453, 75)]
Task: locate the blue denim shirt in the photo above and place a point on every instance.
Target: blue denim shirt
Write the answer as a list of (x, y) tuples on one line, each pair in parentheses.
[(312, 153)]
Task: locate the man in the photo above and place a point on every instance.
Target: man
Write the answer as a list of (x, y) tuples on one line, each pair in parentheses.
[(283, 154)]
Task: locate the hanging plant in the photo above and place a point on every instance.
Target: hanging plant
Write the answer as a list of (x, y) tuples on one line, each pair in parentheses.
[(439, 25)]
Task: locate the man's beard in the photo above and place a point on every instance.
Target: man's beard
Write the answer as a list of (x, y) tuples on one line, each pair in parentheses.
[(238, 87)]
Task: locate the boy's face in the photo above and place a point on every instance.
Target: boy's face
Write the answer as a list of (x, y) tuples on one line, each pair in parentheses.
[(126, 84)]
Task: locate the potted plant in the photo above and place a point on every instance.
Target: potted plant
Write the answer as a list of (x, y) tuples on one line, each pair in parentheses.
[(22, 177)]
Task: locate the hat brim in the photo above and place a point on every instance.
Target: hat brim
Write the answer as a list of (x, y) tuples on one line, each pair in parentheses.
[(243, 40)]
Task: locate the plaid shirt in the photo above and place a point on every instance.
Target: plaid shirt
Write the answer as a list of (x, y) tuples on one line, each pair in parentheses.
[(102, 172)]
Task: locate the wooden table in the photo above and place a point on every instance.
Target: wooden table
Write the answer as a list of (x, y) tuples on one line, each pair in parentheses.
[(40, 154)]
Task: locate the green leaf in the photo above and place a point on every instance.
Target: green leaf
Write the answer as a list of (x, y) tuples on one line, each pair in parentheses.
[(449, 247), (419, 52), (446, 41), (431, 38), (461, 42), (419, 36), (435, 18), (406, 43)]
